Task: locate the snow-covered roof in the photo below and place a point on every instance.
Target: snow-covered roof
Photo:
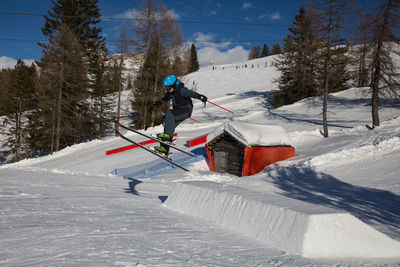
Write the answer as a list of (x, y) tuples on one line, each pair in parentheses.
[(251, 134)]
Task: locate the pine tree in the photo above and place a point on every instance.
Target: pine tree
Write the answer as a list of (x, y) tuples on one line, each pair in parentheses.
[(255, 52), (298, 78), (5, 84), (19, 102), (82, 16), (265, 51), (64, 87), (193, 62), (338, 78), (276, 49), (154, 69), (178, 67), (102, 108)]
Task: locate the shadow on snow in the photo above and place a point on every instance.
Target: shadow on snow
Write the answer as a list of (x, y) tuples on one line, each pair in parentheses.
[(367, 204), (132, 189), (132, 186)]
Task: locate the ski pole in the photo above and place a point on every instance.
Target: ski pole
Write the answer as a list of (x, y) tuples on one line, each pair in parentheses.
[(196, 120), (234, 113)]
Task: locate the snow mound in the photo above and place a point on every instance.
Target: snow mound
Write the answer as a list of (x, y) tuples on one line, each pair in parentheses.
[(251, 134), (291, 225)]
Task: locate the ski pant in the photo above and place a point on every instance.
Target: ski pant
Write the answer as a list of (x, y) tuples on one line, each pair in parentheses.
[(172, 118)]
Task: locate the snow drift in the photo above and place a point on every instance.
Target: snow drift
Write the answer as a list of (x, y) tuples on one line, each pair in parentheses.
[(288, 224)]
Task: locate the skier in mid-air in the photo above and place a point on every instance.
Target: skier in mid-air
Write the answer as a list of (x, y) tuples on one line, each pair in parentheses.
[(182, 108)]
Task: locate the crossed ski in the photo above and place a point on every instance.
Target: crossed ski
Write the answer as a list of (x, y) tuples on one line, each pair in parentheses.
[(156, 139), (166, 158)]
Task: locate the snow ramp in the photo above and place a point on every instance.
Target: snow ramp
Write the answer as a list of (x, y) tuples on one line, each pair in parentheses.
[(291, 225), (159, 166)]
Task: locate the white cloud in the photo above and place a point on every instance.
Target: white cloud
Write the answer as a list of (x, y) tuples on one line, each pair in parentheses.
[(133, 13), (247, 5), (263, 16), (275, 16), (233, 55), (219, 52), (207, 40), (129, 14), (173, 13), (203, 37), (271, 16), (7, 62)]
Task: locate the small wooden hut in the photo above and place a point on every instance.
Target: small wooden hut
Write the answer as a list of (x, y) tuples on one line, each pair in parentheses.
[(243, 149)]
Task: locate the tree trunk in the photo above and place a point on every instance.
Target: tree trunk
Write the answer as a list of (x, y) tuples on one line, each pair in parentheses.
[(58, 127), (18, 115), (53, 127), (375, 107), (153, 115), (119, 91), (327, 69), (377, 68), (375, 86)]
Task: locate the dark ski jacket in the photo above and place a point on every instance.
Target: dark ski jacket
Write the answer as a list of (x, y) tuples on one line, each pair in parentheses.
[(181, 99)]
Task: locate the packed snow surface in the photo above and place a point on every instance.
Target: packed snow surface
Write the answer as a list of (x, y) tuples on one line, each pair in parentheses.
[(336, 203)]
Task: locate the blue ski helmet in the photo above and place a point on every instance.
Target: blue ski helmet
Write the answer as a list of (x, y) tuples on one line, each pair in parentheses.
[(170, 81)]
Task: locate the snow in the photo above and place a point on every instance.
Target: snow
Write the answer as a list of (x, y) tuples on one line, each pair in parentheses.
[(343, 235), (305, 229), (335, 203), (251, 134)]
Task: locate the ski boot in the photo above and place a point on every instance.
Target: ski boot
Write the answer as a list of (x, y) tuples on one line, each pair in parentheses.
[(162, 149), (165, 138)]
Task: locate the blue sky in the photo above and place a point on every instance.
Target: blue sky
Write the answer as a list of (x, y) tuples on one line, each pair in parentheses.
[(280, 12)]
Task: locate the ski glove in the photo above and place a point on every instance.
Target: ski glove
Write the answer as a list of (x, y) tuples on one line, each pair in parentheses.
[(202, 98), (157, 103)]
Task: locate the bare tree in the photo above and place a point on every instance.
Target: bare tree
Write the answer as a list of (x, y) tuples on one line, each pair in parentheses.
[(386, 43), (155, 18), (123, 44), (360, 52), (327, 19), (155, 26)]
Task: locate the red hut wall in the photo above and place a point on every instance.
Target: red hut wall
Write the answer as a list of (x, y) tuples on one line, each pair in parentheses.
[(210, 157), (257, 158)]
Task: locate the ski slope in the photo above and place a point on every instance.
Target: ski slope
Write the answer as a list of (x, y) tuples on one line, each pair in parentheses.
[(335, 203)]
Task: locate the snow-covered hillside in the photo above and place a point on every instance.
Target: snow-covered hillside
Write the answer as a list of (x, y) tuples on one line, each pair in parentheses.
[(335, 203)]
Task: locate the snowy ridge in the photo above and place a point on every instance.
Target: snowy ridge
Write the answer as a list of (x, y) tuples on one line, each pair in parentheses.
[(299, 228), (354, 154)]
